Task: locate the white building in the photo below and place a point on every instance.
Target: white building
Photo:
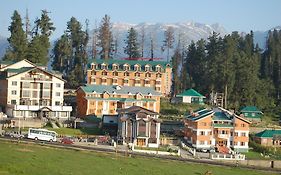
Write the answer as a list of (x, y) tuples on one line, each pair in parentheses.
[(29, 91)]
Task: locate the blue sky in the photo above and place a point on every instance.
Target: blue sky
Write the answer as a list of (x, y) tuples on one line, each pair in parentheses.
[(241, 15)]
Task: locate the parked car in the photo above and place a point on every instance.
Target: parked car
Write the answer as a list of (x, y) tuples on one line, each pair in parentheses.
[(14, 134), (67, 140)]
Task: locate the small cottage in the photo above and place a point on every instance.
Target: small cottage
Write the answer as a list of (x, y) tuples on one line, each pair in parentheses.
[(269, 137), (252, 113), (190, 96)]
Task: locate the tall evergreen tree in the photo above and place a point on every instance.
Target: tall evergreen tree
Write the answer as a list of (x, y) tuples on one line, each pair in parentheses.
[(40, 41), (17, 49), (132, 45), (168, 41), (105, 38)]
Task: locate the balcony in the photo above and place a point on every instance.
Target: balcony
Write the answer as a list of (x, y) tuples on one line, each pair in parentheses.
[(223, 136), (36, 79), (37, 108)]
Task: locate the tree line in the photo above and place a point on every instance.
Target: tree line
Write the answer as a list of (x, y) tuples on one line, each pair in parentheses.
[(232, 65)]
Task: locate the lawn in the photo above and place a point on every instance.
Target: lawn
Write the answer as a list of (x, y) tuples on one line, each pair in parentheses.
[(29, 159), (76, 132)]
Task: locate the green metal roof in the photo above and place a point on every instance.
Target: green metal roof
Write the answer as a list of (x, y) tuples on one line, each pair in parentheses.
[(119, 99), (201, 113), (122, 90), (190, 92), (130, 62), (250, 109), (268, 133)]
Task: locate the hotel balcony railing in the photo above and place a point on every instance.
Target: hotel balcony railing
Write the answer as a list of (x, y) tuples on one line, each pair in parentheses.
[(36, 79)]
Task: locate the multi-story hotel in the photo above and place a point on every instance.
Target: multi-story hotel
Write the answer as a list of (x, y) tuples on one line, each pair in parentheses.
[(207, 129), (106, 99), (29, 91), (155, 74)]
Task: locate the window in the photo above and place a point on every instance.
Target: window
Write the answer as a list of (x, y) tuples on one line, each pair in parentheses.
[(147, 74), (158, 75), (47, 85), (115, 73), (137, 67), (46, 94), (14, 102), (202, 142), (115, 67), (14, 83), (203, 124), (57, 94), (253, 114), (34, 94), (137, 81), (103, 80), (243, 134), (104, 73), (235, 143), (57, 103), (202, 133), (14, 92), (103, 66), (137, 74), (246, 114), (158, 82), (26, 85), (93, 73), (231, 142), (147, 82), (93, 66), (25, 93), (125, 67), (243, 125), (114, 80), (126, 74), (158, 68), (242, 143), (147, 68), (236, 134), (58, 85), (126, 81)]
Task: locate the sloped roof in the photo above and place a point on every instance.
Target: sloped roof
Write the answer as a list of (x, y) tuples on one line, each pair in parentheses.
[(199, 114), (268, 133), (191, 92), (99, 89), (250, 109)]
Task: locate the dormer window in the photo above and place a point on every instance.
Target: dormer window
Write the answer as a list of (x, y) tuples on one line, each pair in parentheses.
[(93, 73), (126, 67), (137, 67), (103, 66), (158, 68), (118, 87), (115, 67), (93, 66), (147, 68)]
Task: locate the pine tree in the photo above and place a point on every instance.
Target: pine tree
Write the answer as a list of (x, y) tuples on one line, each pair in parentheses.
[(168, 41), (62, 54), (105, 38), (40, 41), (132, 45), (17, 49)]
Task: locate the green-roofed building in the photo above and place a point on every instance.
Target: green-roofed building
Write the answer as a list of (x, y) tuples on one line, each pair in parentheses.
[(190, 96), (102, 100), (252, 113), (269, 137), (137, 73)]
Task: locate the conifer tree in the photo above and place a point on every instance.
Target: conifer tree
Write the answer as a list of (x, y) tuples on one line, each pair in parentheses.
[(105, 38), (17, 49), (132, 45), (168, 41)]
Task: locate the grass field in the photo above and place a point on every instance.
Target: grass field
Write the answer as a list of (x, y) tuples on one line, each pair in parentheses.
[(29, 159)]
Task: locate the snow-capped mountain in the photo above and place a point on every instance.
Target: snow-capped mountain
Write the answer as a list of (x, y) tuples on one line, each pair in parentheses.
[(187, 31), (261, 36)]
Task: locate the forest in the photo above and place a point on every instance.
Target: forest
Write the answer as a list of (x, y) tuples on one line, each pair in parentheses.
[(232, 64)]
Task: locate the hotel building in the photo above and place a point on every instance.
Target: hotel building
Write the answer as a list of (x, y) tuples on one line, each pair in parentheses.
[(136, 73), (29, 91), (211, 128)]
